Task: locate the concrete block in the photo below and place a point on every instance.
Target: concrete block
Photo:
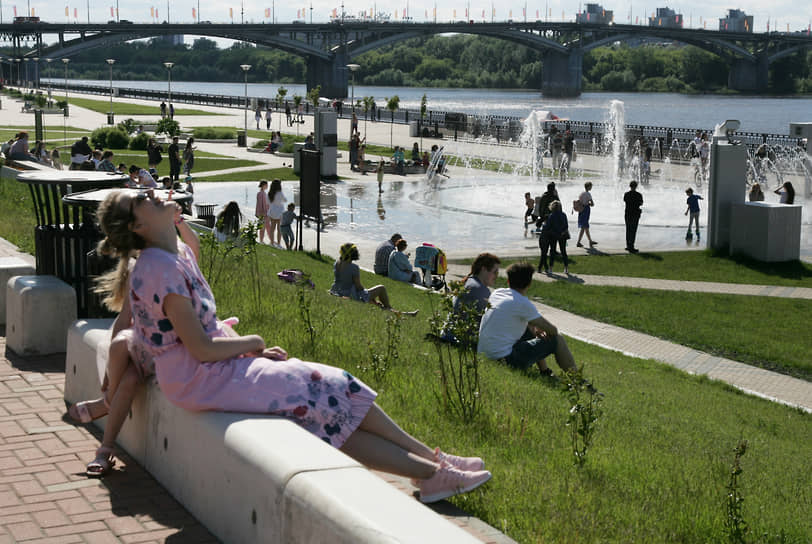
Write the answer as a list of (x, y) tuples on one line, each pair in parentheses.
[(10, 267), (39, 312), (766, 231), (353, 506)]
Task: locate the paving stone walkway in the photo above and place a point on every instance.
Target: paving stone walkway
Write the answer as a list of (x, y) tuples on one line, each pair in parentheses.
[(763, 383)]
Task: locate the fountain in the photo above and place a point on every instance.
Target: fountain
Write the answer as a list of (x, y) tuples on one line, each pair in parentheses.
[(616, 136)]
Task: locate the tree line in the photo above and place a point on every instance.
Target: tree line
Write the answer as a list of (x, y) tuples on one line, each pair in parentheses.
[(457, 61)]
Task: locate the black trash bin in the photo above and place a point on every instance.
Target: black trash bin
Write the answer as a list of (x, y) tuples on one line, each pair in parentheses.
[(111, 119), (206, 212), (242, 141)]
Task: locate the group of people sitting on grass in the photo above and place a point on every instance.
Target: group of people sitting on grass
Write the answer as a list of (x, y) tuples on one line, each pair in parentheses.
[(392, 260), (19, 149)]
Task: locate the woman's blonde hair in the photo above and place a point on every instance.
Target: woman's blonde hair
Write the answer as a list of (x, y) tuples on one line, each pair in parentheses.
[(119, 241)]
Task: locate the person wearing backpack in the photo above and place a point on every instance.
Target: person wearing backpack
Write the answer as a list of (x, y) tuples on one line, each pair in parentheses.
[(584, 207)]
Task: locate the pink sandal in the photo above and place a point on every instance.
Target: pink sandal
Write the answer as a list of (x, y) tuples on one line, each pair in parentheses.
[(80, 411), (102, 464)]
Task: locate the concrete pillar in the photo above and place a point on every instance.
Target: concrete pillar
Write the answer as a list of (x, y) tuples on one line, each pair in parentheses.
[(728, 165), (749, 76), (327, 141), (561, 73), (332, 75)]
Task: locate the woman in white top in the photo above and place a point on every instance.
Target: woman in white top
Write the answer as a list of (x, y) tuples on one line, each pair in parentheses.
[(276, 210), (583, 216)]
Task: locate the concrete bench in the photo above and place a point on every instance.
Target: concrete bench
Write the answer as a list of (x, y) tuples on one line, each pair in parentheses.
[(10, 267), (252, 478), (39, 309)]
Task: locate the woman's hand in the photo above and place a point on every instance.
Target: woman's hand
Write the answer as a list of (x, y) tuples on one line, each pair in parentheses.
[(276, 353)]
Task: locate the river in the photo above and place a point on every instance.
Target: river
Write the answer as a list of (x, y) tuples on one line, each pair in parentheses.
[(757, 114)]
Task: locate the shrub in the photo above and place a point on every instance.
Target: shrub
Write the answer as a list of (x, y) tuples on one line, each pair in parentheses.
[(139, 142), (61, 104), (215, 133), (127, 125), (168, 126), (109, 137), (40, 100)]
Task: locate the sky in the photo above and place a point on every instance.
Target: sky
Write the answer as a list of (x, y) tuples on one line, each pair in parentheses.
[(697, 13)]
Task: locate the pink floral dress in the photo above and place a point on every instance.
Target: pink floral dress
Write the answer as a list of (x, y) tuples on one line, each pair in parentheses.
[(327, 401)]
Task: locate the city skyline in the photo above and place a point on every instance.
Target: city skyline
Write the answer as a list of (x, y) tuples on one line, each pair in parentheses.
[(777, 14)]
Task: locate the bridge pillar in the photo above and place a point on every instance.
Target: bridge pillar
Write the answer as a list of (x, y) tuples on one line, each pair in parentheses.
[(749, 76), (332, 75), (561, 73)]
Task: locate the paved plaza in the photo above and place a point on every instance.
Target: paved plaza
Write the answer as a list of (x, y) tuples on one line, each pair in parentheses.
[(44, 494)]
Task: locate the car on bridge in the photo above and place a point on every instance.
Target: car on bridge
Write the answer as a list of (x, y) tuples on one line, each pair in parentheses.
[(23, 20)]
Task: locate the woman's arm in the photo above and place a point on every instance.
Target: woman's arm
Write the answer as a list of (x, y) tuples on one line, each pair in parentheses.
[(124, 317), (187, 234), (187, 326), (356, 280)]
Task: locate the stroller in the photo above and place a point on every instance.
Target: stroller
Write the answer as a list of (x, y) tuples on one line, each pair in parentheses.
[(431, 260)]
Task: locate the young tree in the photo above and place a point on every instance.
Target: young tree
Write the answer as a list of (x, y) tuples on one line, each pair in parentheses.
[(313, 96), (280, 102), (297, 99), (392, 105), (423, 109)]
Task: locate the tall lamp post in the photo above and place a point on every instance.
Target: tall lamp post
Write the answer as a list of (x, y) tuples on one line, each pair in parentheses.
[(169, 66), (27, 60), (353, 68), (110, 117), (36, 73), (49, 61), (19, 78), (65, 61), (245, 68), (2, 70)]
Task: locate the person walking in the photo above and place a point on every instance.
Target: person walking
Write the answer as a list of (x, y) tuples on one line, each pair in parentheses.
[(174, 159), (268, 116), (584, 208), (633, 201), (189, 157), (258, 116), (288, 117), (554, 231)]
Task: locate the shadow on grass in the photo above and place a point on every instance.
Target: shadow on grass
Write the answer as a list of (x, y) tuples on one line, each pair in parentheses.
[(647, 256), (792, 270)]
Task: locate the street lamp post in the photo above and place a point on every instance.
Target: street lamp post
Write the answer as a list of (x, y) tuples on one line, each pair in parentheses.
[(353, 68), (169, 66), (245, 68), (110, 118), (49, 61), (36, 73), (65, 61), (27, 60)]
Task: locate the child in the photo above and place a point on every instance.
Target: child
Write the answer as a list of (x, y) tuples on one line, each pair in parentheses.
[(285, 225), (380, 176), (693, 207)]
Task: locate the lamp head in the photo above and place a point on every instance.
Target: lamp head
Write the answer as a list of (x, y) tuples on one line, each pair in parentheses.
[(110, 61), (169, 65), (65, 61), (353, 67), (245, 67), (726, 129)]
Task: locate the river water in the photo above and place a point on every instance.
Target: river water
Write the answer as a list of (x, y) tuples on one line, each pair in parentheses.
[(757, 114)]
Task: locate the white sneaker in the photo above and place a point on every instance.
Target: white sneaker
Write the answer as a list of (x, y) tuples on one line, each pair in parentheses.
[(449, 481), (462, 463)]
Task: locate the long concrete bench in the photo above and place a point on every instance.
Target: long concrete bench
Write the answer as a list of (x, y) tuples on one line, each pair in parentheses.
[(251, 478)]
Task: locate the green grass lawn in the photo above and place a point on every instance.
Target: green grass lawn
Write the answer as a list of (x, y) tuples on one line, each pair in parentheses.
[(203, 161), (660, 461), (127, 108), (690, 266), (284, 174), (768, 332)]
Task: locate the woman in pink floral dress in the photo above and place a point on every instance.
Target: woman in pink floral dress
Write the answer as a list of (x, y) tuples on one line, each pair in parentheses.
[(202, 365)]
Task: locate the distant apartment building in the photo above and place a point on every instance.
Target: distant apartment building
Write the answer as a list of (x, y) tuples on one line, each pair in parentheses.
[(666, 18), (595, 14), (736, 21)]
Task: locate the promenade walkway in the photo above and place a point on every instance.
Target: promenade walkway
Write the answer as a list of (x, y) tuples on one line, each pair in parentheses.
[(750, 379)]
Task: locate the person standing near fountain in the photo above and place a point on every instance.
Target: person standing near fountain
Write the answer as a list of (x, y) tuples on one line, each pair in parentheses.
[(693, 208), (585, 204), (633, 201), (566, 157)]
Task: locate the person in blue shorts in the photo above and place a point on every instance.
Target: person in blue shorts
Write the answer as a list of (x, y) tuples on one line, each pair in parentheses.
[(693, 209)]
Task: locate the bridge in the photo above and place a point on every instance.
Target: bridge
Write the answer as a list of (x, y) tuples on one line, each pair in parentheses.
[(329, 47)]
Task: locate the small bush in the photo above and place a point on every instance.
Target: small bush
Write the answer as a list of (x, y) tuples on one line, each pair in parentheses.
[(139, 142), (127, 125), (109, 137), (215, 133), (61, 104), (168, 126)]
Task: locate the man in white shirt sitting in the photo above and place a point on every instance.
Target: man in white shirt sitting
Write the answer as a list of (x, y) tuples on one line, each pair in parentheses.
[(513, 330)]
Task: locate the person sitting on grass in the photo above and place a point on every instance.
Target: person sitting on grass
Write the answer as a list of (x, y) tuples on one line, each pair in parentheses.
[(475, 293), (228, 223), (106, 163), (400, 268), (201, 366), (347, 280), (512, 329)]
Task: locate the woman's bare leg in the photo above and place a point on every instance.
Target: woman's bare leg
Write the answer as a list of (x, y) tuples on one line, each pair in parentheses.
[(380, 443), (120, 405), (379, 293)]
